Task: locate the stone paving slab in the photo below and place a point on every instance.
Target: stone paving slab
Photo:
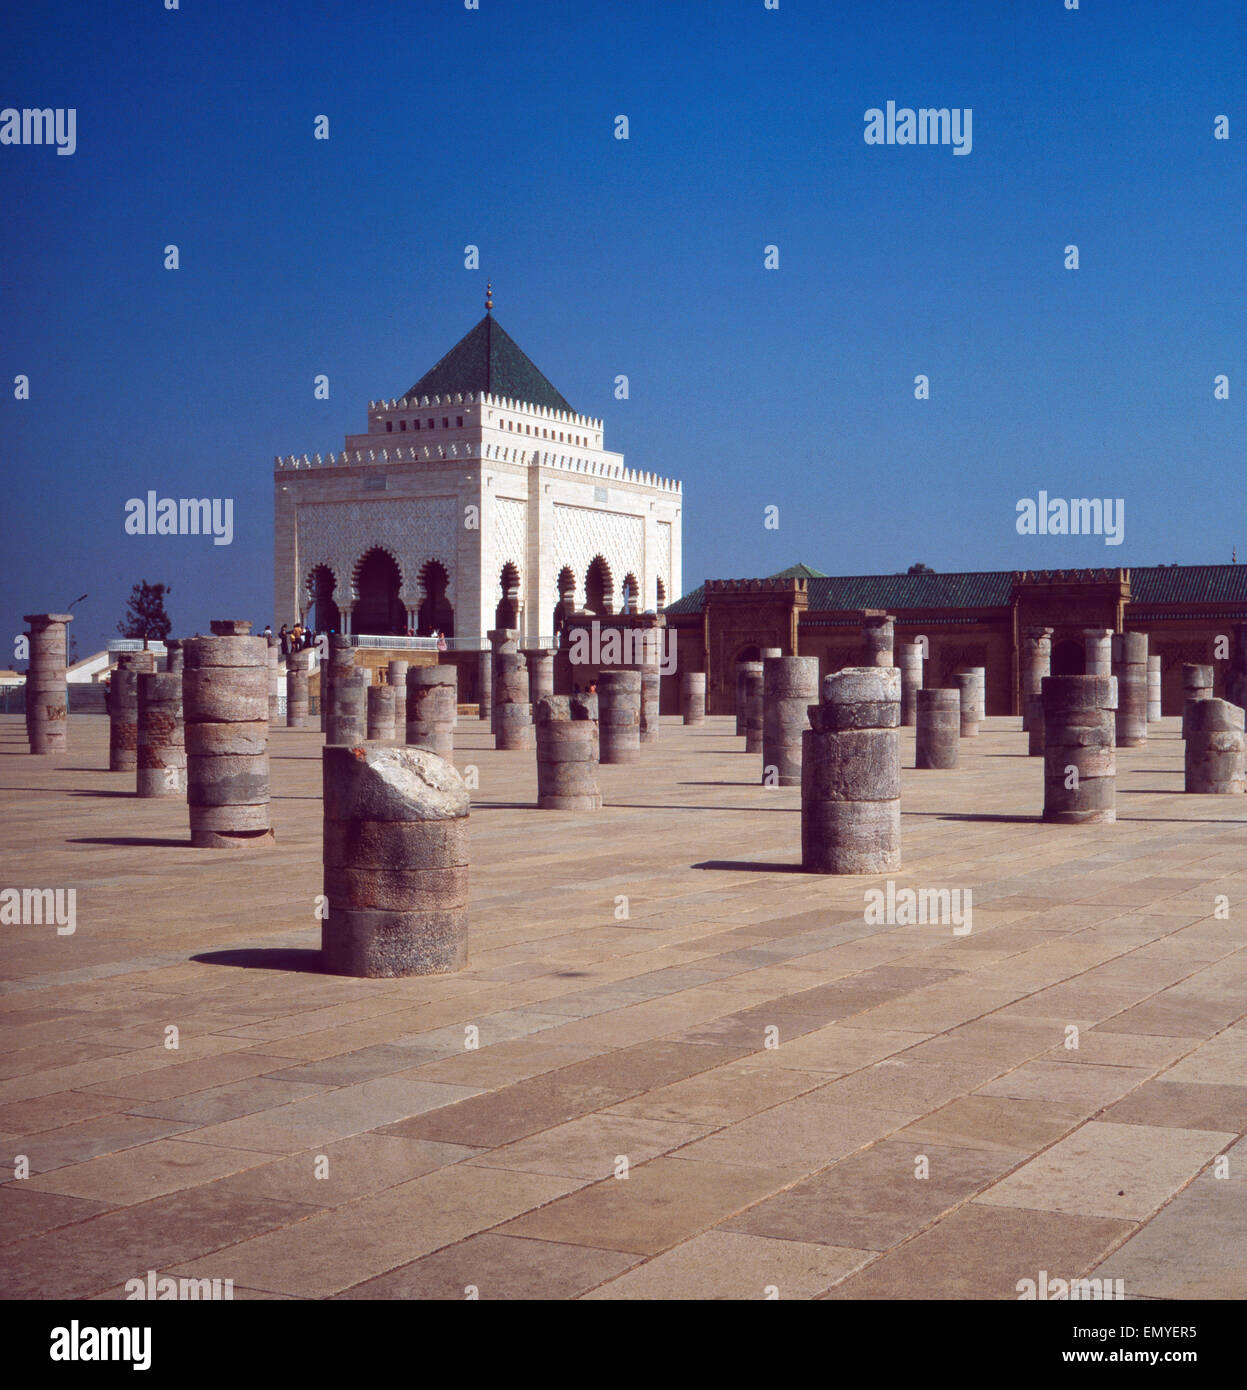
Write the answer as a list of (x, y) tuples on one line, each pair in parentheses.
[(698, 1072)]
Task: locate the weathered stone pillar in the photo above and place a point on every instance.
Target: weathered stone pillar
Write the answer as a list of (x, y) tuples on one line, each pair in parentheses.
[(910, 665), (619, 716), (1098, 645), (980, 699), (503, 641), (753, 707), (395, 861), (161, 769), (274, 680), (341, 659), (1080, 757), (1196, 685), (742, 669), (938, 727), (123, 710), (432, 709), (381, 713), (851, 774), (297, 705), (485, 687), (1034, 663), (1214, 747), (47, 709), (567, 754), (1153, 689), (225, 700), (540, 673), (968, 688), (651, 696), (513, 713), (789, 685), (1034, 726), (396, 679), (878, 630), (1130, 669), (693, 697), (173, 656), (348, 710), (1236, 678)]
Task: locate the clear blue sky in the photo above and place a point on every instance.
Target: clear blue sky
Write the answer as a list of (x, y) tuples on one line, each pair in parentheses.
[(791, 387)]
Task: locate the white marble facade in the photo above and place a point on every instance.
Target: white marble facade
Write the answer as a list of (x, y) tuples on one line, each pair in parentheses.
[(487, 482)]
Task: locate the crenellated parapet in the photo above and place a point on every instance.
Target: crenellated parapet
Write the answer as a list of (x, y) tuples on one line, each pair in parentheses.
[(497, 453), (538, 412), (1074, 576), (747, 587)]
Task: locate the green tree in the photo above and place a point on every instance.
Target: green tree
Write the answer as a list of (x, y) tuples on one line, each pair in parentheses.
[(919, 569), (145, 613)]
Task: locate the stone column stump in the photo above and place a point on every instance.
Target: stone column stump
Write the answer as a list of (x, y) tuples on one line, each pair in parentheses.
[(851, 774), (968, 688), (1196, 685), (1153, 689), (513, 713), (396, 679), (47, 710), (693, 697), (937, 735), (297, 702), (1130, 668), (161, 769), (348, 706), (910, 665), (567, 754), (123, 710), (1098, 649), (789, 684), (1214, 747), (753, 707), (395, 862), (1080, 731), (381, 713), (619, 716), (225, 707), (432, 709), (1034, 663)]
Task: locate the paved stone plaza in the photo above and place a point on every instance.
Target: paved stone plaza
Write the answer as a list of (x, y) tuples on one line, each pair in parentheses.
[(641, 1036)]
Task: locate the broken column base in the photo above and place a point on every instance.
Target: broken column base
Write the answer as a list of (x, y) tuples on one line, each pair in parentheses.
[(375, 944)]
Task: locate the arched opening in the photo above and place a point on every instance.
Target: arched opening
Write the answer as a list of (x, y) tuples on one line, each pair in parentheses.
[(378, 610), (1068, 658), (599, 587), (507, 613), (662, 595), (747, 654), (436, 611), (566, 586), (324, 616), (630, 594)]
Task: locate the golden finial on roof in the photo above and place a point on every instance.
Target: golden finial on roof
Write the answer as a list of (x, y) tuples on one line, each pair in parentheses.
[(489, 295)]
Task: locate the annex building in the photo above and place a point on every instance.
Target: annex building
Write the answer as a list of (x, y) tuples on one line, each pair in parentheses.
[(970, 619)]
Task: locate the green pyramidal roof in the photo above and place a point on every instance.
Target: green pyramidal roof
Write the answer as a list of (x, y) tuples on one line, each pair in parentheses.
[(489, 359), (799, 571)]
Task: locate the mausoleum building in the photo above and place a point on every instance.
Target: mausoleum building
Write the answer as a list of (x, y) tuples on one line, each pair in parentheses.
[(478, 499)]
